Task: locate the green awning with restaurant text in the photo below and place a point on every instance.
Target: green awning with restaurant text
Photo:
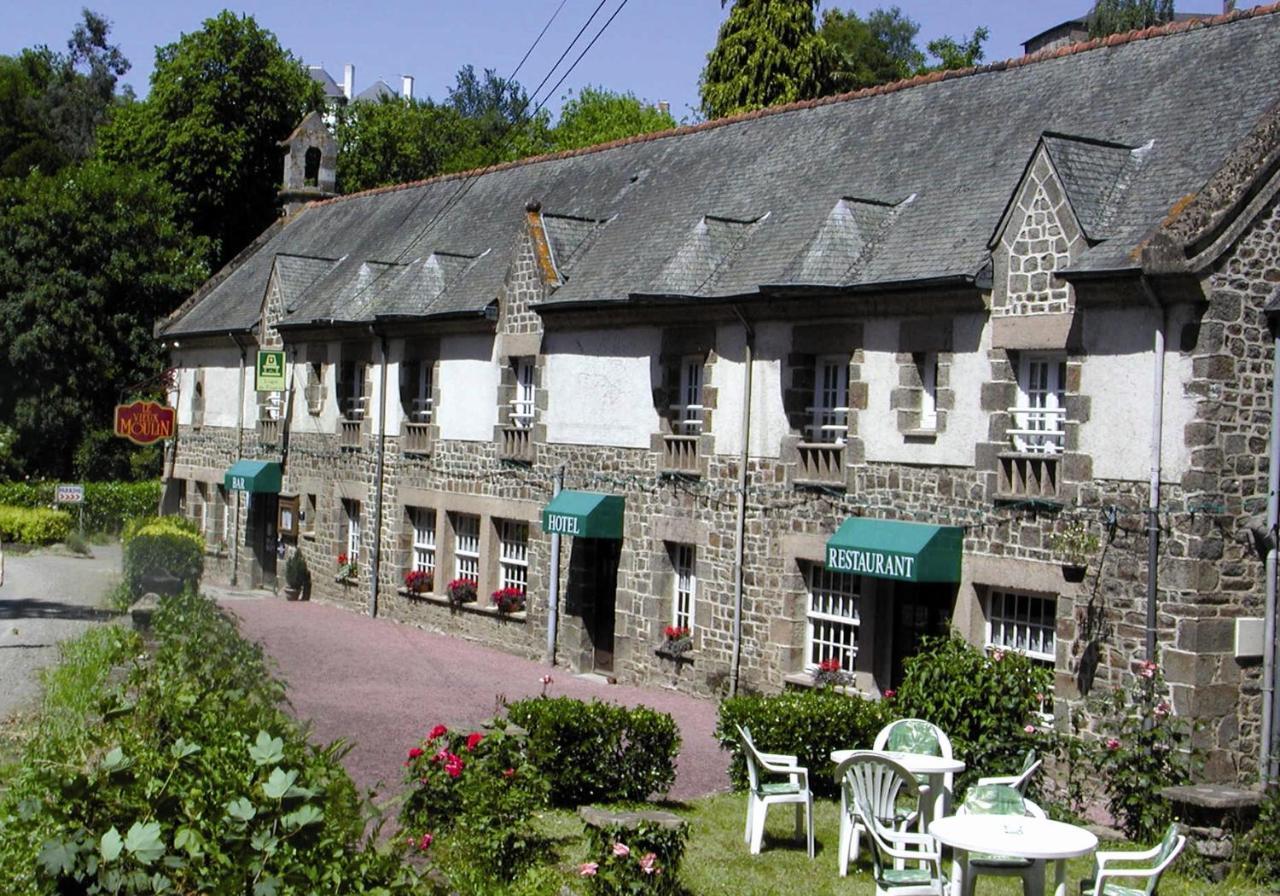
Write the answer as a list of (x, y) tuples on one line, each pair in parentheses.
[(262, 476), (892, 549), (584, 514)]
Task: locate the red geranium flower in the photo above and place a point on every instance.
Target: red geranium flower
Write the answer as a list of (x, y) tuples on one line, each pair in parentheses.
[(473, 740), (415, 752), (438, 731)]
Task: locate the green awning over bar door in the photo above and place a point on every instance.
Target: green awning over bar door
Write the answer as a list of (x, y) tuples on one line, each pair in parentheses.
[(892, 549), (584, 514), (262, 476)]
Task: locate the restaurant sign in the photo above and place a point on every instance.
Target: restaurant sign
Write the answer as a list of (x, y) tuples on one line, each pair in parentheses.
[(145, 422), (871, 563)]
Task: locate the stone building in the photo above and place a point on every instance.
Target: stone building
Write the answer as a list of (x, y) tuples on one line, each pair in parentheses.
[(818, 381)]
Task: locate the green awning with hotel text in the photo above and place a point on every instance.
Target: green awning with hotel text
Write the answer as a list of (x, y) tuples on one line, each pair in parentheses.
[(892, 549), (584, 514)]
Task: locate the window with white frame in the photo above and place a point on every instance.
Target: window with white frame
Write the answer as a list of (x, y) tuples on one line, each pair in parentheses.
[(684, 585), (417, 389), (351, 529), (832, 618), (1038, 419), (522, 405), (352, 401), (424, 539), (927, 364), (513, 554), (829, 413), (1026, 623), (688, 409), (466, 547)]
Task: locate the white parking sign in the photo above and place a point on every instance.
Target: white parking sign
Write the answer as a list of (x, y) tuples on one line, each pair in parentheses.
[(69, 494)]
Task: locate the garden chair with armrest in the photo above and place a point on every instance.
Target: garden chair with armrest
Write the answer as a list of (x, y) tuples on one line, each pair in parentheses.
[(925, 738), (904, 862), (1030, 765), (763, 794), (1001, 799), (888, 801), (1160, 858)]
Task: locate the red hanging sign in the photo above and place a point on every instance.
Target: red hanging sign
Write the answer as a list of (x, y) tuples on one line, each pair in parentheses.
[(144, 422)]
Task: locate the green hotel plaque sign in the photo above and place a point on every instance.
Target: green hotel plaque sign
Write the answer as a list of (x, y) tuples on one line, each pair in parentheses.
[(269, 372)]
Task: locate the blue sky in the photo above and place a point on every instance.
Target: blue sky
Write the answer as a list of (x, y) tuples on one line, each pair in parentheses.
[(654, 48)]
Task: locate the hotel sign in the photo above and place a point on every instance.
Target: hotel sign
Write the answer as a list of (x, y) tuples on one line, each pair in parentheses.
[(269, 372), (559, 524), (871, 563), (145, 422)]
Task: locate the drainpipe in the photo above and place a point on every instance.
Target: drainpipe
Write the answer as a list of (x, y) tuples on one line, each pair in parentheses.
[(235, 535), (1270, 710), (553, 587), (738, 560), (375, 566), (1157, 437)]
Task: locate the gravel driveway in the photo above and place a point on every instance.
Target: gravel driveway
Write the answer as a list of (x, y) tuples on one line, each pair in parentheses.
[(381, 685), (46, 598)]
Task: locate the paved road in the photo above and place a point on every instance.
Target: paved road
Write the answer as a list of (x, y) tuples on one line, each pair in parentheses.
[(47, 598), (381, 686)]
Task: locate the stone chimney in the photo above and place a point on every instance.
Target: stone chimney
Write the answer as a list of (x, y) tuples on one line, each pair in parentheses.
[(406, 86), (664, 107), (349, 81)]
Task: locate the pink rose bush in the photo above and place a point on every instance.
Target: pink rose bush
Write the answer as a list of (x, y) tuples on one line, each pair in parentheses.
[(634, 859)]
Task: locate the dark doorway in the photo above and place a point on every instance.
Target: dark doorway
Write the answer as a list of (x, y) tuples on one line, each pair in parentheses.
[(261, 538), (593, 579), (920, 610)]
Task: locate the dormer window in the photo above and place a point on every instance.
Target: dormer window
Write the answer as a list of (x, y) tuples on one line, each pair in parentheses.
[(1040, 414), (829, 413), (522, 405)]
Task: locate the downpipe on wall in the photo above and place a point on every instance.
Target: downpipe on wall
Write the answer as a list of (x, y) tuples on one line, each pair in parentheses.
[(235, 538), (1157, 439), (553, 586), (1267, 760), (739, 559), (375, 565)]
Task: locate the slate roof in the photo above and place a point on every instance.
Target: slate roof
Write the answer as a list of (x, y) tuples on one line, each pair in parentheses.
[(330, 87), (375, 92), (729, 208)]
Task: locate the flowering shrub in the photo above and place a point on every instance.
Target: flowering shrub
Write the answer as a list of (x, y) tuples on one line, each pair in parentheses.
[(830, 674), (418, 581), (508, 600), (461, 591), (348, 567), (476, 792), (644, 858), (677, 640)]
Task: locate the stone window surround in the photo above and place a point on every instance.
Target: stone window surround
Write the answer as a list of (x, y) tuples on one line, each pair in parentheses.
[(665, 531), (919, 342), (987, 595), (809, 342), (513, 348), (679, 346), (197, 398), (314, 392), (417, 351), (360, 387)]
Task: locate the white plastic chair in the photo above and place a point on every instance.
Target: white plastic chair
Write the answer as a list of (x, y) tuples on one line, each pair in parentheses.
[(1019, 782), (904, 862), (1001, 799), (795, 789), (1160, 856), (885, 803), (925, 738)]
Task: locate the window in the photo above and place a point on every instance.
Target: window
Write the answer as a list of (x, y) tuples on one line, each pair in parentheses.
[(687, 419), (684, 585), (313, 390), (199, 507), (830, 409), (927, 364), (311, 166), (351, 397), (197, 400), (522, 405), (832, 619), (1039, 416), (416, 386), (1023, 622), (307, 517), (466, 547), (513, 558), (351, 527), (424, 539)]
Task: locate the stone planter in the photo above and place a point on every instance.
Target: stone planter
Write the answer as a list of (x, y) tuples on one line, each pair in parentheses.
[(291, 593)]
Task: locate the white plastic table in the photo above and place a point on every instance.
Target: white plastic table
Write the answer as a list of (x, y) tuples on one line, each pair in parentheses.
[(1013, 835), (935, 768)]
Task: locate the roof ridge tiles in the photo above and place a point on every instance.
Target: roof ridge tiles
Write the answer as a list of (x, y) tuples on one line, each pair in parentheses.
[(1045, 55)]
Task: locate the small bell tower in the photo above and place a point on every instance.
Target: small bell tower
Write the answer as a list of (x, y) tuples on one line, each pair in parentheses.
[(310, 164)]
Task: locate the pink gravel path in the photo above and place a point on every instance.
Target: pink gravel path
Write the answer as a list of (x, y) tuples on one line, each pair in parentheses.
[(380, 685)]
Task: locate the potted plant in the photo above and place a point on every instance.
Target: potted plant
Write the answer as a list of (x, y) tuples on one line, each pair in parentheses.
[(508, 600), (1074, 545), (348, 568), (676, 641), (830, 673), (296, 576), (461, 591), (419, 581)]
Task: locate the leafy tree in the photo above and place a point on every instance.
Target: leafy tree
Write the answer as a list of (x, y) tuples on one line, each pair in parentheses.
[(597, 115), (500, 122), (1115, 16), (767, 52), (958, 54), (221, 98), (89, 258), (393, 141), (877, 50)]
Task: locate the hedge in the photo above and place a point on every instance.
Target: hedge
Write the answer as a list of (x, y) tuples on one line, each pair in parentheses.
[(33, 525), (159, 547), (107, 505)]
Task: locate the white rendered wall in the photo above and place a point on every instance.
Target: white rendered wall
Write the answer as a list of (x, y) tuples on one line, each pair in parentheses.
[(468, 388), (1118, 377), (965, 423), (221, 368), (768, 416), (600, 386)]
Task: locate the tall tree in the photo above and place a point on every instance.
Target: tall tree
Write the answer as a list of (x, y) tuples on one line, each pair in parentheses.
[(873, 51), (500, 118), (393, 141), (221, 98), (767, 52), (1115, 16), (597, 115), (89, 258), (952, 53)]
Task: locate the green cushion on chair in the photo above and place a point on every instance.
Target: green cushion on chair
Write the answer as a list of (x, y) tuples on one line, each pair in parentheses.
[(982, 858), (914, 736), (779, 787), (994, 799), (905, 877)]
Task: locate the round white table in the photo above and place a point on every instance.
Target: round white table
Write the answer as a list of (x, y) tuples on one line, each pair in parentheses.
[(1013, 835), (935, 768)]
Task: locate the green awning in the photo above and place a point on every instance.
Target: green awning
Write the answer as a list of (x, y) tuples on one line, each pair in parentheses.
[(253, 476), (584, 514), (891, 549)]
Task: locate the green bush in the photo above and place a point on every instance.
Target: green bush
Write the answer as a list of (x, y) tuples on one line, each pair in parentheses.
[(159, 547), (1257, 854), (107, 505), (985, 703), (808, 723), (175, 770), (641, 859), (33, 525), (595, 752)]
